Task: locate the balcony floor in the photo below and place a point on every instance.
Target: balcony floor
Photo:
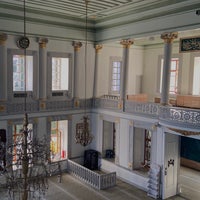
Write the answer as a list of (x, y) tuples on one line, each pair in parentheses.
[(72, 189)]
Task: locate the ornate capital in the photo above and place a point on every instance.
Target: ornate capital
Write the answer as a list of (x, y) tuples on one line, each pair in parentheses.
[(168, 37), (98, 47), (77, 45), (3, 38), (126, 43), (42, 42)]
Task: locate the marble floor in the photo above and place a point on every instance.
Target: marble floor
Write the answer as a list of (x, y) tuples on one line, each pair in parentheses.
[(71, 188), (189, 183)]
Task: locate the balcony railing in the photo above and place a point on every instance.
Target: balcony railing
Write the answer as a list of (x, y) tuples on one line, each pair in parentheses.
[(177, 116), (168, 115), (96, 180)]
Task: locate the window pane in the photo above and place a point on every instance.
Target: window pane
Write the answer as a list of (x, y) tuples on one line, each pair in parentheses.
[(17, 141), (196, 77), (173, 75), (115, 83), (60, 73), (58, 145), (19, 73)]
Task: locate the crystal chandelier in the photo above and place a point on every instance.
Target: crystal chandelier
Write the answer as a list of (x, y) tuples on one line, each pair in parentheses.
[(24, 173), (83, 135)]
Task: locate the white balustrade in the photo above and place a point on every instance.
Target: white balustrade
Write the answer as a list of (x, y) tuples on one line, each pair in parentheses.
[(96, 180)]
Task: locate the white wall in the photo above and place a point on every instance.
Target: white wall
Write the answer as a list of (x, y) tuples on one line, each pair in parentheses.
[(150, 75), (104, 63), (135, 70), (135, 67)]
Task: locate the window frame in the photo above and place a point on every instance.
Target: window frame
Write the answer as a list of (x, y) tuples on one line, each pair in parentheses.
[(61, 139), (10, 135), (114, 59), (19, 95), (192, 57), (15, 134), (160, 57), (59, 94), (110, 139)]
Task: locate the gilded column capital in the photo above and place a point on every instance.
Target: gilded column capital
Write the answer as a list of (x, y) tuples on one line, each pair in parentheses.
[(3, 38), (42, 42), (98, 47), (168, 37), (126, 43), (76, 45)]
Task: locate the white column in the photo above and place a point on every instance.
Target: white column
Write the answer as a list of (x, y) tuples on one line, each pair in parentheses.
[(3, 67), (97, 47), (168, 40), (77, 46), (125, 62)]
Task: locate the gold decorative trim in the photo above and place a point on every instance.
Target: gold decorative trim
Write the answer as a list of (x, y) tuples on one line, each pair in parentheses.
[(76, 45), (76, 103), (120, 104), (3, 38), (126, 43), (42, 42), (130, 165), (131, 123), (168, 37), (2, 108), (117, 120), (98, 47), (42, 105), (184, 132)]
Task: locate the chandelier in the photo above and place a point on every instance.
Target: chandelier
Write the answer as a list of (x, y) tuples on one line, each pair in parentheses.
[(24, 171), (83, 135)]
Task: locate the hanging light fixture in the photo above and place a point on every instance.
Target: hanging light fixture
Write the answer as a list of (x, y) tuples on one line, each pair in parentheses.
[(25, 172), (83, 135)]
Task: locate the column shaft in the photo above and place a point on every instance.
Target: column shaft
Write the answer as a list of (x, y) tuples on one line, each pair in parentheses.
[(124, 78), (168, 39), (42, 68), (77, 46), (3, 68), (95, 85)]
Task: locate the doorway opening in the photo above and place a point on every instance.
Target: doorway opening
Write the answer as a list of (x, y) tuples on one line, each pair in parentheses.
[(189, 176), (109, 140)]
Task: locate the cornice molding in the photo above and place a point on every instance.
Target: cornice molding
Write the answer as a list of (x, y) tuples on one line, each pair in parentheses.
[(184, 132)]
